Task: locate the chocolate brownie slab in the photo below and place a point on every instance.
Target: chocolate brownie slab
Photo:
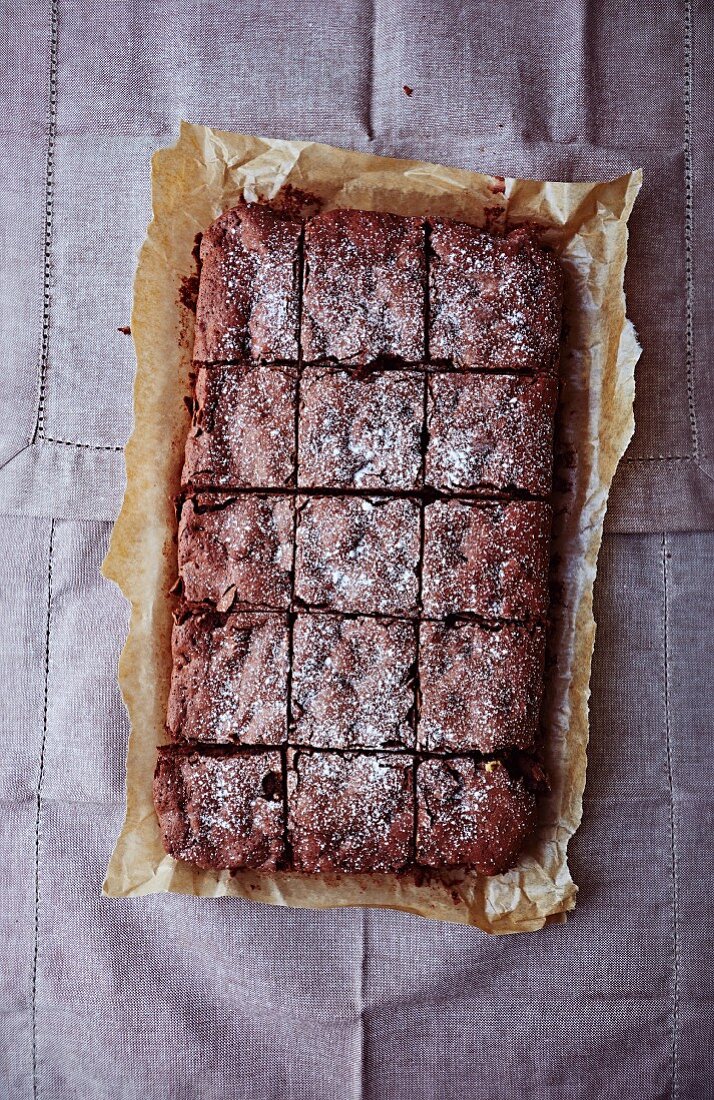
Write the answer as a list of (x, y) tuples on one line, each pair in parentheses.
[(358, 554), (221, 811), (350, 812), (363, 294), (248, 292), (489, 559), (491, 431), (480, 687), (352, 685), (495, 303), (360, 431), (243, 431), (230, 678), (236, 552), (472, 814)]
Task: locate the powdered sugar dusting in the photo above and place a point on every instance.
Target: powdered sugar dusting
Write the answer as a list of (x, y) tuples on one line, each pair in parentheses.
[(491, 431), (364, 287), (353, 682), (488, 559), (495, 302), (480, 687), (229, 682), (243, 431), (351, 812), (238, 554), (360, 432), (358, 554)]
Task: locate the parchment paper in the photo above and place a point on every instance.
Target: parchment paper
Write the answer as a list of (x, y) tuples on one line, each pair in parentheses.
[(206, 172)]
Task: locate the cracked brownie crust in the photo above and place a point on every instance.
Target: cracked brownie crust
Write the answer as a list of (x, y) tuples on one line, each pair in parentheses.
[(248, 292), (230, 679), (363, 546), (219, 811), (363, 296), (243, 430), (350, 812)]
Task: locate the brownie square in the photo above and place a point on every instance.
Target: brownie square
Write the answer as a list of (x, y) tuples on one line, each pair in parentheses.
[(358, 554), (471, 814), (364, 288), (221, 811), (491, 431), (236, 552), (350, 812), (248, 293), (230, 679), (495, 302), (243, 432), (353, 682), (480, 688), (487, 559), (360, 431)]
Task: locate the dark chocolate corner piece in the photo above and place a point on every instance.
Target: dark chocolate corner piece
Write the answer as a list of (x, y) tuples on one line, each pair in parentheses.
[(471, 814), (221, 811), (248, 292), (495, 303)]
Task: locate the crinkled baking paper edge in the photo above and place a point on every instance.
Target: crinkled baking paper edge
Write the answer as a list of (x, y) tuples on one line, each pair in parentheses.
[(193, 181)]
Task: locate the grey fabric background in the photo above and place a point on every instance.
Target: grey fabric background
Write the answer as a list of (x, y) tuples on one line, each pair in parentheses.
[(169, 996)]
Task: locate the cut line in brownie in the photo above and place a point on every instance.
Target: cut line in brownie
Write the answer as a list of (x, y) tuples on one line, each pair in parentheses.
[(364, 287), (491, 432), (480, 687), (359, 430), (495, 303), (350, 812), (353, 682), (236, 552), (472, 814), (229, 682), (248, 291), (357, 554), (486, 558), (220, 811), (243, 430)]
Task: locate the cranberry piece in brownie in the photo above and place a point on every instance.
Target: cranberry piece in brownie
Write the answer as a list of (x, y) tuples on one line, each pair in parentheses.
[(236, 552), (480, 688), (495, 302), (229, 680), (248, 292), (352, 684), (358, 554), (364, 287), (471, 814), (243, 432), (488, 559), (221, 812), (350, 813), (493, 431), (359, 431)]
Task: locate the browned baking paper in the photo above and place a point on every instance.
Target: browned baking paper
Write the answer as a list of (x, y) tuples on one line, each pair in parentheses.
[(203, 174)]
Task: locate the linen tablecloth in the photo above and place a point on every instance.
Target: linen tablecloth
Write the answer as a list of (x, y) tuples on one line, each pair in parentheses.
[(173, 996)]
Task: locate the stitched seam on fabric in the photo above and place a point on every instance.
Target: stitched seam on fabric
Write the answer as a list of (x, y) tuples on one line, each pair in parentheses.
[(658, 458), (84, 446), (39, 432), (689, 225), (359, 1082), (49, 215), (370, 71), (38, 816), (673, 835)]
